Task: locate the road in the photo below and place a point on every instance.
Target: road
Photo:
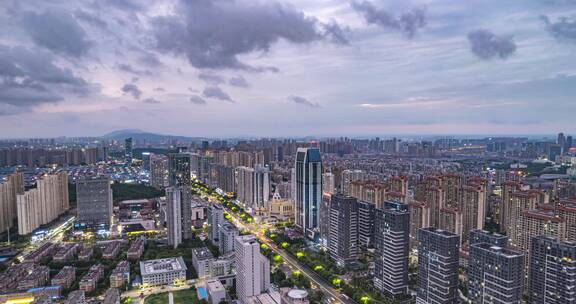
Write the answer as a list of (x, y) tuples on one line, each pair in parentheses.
[(325, 286)]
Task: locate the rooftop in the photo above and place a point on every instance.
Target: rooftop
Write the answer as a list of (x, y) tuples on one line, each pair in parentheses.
[(202, 253), (162, 265)]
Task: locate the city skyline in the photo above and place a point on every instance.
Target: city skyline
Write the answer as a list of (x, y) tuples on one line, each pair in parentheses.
[(287, 68)]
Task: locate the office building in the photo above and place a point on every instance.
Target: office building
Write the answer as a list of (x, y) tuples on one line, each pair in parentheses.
[(227, 238), (9, 189), (366, 213), (438, 255), (163, 271), (483, 236), (174, 215), (552, 271), (252, 268), (158, 171), (202, 258), (215, 220), (261, 188), (343, 236), (94, 202), (180, 176), (392, 240), (495, 274), (43, 204), (128, 153), (307, 194)]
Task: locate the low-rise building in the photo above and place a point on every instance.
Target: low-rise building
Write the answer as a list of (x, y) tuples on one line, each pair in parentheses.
[(65, 277), (90, 280), (10, 278), (120, 275), (282, 209), (293, 296), (228, 234), (66, 252), (76, 297), (36, 278), (86, 253), (136, 249), (43, 251), (163, 271), (216, 291), (111, 250), (112, 296)]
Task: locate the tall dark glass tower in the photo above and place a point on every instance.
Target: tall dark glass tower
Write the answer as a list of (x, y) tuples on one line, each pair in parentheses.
[(308, 188)]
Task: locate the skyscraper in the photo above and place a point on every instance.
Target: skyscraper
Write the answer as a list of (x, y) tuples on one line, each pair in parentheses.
[(308, 190), (552, 271), (215, 221), (392, 239), (366, 213), (9, 190), (94, 202), (158, 171), (252, 268), (437, 266), (343, 239), (495, 274), (128, 154), (180, 176), (174, 215), (483, 236)]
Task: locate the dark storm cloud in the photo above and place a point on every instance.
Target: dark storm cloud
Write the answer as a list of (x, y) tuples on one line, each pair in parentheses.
[(29, 77), (195, 99), (211, 78), (238, 81), (132, 89), (57, 31), (216, 93), (151, 101), (407, 23), (129, 69), (243, 27), (487, 45), (563, 29), (303, 101)]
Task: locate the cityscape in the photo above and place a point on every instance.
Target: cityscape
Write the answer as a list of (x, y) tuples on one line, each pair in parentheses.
[(287, 152)]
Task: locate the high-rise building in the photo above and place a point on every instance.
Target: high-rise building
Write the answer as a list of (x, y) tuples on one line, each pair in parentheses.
[(128, 153), (343, 236), (507, 189), (392, 239), (180, 176), (552, 271), (158, 171), (435, 199), (518, 202), (419, 218), (451, 220), (174, 215), (370, 191), (308, 190), (252, 268), (43, 204), (245, 178), (483, 236), (495, 274), (438, 255), (94, 202), (227, 237), (329, 183), (366, 213), (473, 209), (215, 221), (9, 190), (261, 187), (349, 176)]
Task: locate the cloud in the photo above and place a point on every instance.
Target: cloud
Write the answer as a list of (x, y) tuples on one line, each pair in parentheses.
[(90, 19), (151, 100), (195, 99), (563, 29), (217, 93), (420, 102), (30, 77), (238, 81), (487, 45), (303, 101), (58, 32), (243, 27), (128, 68), (408, 23), (336, 33), (159, 89), (211, 79), (149, 59), (132, 89)]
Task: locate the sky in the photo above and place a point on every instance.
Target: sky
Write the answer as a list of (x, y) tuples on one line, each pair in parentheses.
[(224, 68)]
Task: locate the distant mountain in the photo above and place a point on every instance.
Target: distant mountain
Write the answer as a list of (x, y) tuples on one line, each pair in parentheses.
[(143, 135)]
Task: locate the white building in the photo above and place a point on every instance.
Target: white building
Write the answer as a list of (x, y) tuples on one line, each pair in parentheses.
[(252, 268), (216, 291), (215, 220), (174, 216), (163, 271)]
